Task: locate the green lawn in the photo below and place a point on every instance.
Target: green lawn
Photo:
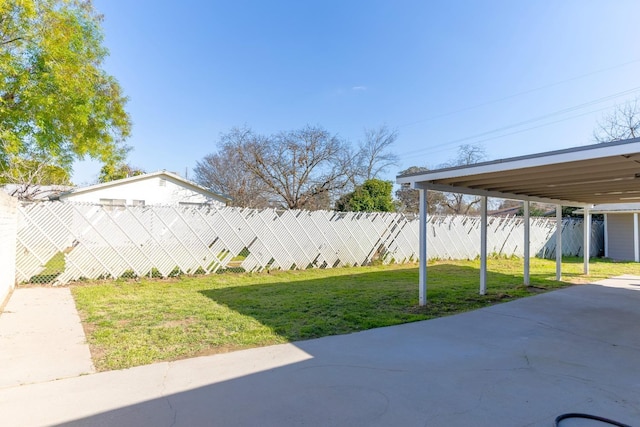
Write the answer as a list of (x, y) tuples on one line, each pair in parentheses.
[(131, 323)]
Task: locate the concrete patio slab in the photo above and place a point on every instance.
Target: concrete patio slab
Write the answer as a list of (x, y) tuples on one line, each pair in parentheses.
[(41, 338), (520, 363)]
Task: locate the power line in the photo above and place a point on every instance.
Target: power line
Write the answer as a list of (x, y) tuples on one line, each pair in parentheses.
[(519, 131), (495, 101), (528, 121)]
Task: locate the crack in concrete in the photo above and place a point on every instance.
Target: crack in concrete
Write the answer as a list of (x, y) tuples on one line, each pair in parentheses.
[(167, 399)]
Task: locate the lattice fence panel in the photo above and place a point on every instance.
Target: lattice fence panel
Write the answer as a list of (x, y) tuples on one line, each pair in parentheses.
[(63, 242)]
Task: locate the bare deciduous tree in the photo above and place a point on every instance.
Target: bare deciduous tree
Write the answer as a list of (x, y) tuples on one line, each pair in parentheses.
[(299, 169), (373, 157), (223, 173), (622, 123), (306, 168), (458, 203), (408, 199)]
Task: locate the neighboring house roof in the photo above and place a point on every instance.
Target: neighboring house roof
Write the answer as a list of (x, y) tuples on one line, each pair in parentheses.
[(612, 208), (184, 182), (517, 211), (513, 210)]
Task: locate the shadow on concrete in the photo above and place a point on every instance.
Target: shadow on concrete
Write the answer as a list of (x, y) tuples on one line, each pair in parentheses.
[(515, 364)]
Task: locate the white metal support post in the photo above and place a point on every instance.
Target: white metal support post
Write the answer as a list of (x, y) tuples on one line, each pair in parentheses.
[(483, 245), (558, 242), (423, 248), (587, 238), (636, 249), (527, 242), (606, 236)]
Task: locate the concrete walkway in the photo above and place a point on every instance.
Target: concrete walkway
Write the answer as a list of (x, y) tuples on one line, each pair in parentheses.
[(41, 338), (515, 364)]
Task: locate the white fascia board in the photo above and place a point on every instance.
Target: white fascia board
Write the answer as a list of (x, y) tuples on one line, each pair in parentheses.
[(497, 194), (114, 183), (409, 179), (588, 152)]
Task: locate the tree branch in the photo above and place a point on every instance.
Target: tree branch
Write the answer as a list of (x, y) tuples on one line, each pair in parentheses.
[(5, 42)]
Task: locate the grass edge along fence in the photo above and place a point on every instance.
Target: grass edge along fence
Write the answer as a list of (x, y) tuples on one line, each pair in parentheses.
[(58, 243)]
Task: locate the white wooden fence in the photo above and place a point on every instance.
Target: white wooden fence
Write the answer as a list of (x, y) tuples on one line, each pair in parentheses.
[(62, 242)]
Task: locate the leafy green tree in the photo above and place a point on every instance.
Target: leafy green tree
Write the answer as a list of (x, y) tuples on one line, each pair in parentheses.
[(374, 195), (30, 179), (56, 101), (37, 173), (112, 172)]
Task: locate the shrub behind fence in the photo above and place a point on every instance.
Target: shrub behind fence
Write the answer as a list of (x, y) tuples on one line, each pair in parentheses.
[(62, 242)]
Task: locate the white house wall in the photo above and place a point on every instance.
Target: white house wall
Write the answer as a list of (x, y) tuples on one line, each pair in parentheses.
[(156, 190), (8, 229)]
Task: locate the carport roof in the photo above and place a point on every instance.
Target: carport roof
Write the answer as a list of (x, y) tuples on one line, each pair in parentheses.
[(580, 176)]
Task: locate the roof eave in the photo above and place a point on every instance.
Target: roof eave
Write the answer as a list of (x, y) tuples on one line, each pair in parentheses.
[(127, 180), (587, 152)]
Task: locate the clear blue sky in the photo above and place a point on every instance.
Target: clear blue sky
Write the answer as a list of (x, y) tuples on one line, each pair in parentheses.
[(443, 72)]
